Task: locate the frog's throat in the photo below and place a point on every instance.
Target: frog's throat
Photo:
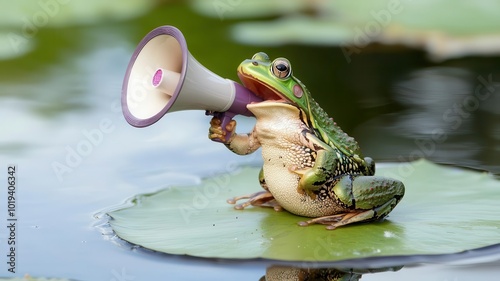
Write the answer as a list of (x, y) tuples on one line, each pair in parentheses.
[(271, 107), (269, 111)]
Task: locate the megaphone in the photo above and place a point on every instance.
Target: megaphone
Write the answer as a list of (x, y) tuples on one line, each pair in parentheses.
[(162, 76)]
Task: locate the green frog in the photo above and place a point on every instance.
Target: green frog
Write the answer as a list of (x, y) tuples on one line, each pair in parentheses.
[(311, 168)]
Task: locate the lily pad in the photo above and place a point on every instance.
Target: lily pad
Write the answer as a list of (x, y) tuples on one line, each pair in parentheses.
[(13, 45), (445, 210), (244, 9), (472, 28), (29, 16), (21, 21)]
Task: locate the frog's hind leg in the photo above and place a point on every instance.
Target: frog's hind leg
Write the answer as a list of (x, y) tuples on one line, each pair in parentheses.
[(261, 199), (366, 198)]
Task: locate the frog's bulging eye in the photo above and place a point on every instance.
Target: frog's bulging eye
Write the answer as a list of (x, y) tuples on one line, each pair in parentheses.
[(261, 56), (281, 68)]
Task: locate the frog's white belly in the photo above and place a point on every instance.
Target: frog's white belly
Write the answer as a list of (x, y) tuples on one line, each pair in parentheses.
[(279, 130)]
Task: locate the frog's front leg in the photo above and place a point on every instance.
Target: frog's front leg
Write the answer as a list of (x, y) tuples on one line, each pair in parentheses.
[(366, 198), (313, 178), (261, 198), (241, 144)]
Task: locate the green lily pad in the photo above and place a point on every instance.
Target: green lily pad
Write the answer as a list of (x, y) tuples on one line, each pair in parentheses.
[(27, 17), (243, 9), (445, 210), (472, 29), (13, 45)]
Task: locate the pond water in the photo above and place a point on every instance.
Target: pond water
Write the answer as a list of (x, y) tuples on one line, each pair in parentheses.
[(76, 156)]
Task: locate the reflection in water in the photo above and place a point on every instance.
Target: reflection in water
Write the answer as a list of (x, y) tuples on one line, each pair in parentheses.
[(490, 110), (451, 115), (438, 114), (279, 273), (448, 110), (433, 97)]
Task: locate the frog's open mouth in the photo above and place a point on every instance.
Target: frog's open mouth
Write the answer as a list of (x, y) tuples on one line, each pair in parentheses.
[(266, 92)]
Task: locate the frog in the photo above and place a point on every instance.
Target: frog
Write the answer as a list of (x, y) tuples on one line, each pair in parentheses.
[(311, 167)]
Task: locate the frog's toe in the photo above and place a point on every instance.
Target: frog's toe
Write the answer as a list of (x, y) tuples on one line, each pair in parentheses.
[(322, 220), (216, 132), (334, 221), (259, 199), (216, 136), (231, 126), (352, 218), (296, 170)]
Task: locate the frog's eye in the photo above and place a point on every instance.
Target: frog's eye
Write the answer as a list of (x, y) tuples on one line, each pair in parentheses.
[(281, 68), (261, 56)]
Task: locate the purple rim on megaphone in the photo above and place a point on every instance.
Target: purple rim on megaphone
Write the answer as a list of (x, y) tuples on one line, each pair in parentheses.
[(162, 30), (242, 96)]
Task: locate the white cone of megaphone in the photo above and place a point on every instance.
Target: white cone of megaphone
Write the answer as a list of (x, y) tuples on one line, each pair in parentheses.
[(163, 77)]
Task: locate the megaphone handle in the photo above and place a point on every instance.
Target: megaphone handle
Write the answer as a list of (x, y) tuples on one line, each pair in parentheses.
[(225, 117)]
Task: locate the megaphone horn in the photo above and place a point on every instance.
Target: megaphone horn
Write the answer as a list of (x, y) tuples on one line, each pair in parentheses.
[(163, 77)]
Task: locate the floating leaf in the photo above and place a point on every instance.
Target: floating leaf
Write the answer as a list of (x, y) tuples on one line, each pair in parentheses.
[(244, 9), (445, 210), (13, 45), (472, 28), (30, 16), (21, 21)]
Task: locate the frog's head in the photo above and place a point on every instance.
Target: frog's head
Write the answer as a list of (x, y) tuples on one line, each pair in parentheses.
[(272, 80)]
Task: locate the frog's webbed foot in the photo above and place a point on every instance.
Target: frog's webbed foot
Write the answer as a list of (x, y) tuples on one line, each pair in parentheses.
[(260, 199), (337, 220), (355, 216)]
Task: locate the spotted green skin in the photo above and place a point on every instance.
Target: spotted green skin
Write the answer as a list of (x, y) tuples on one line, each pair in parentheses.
[(339, 171)]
